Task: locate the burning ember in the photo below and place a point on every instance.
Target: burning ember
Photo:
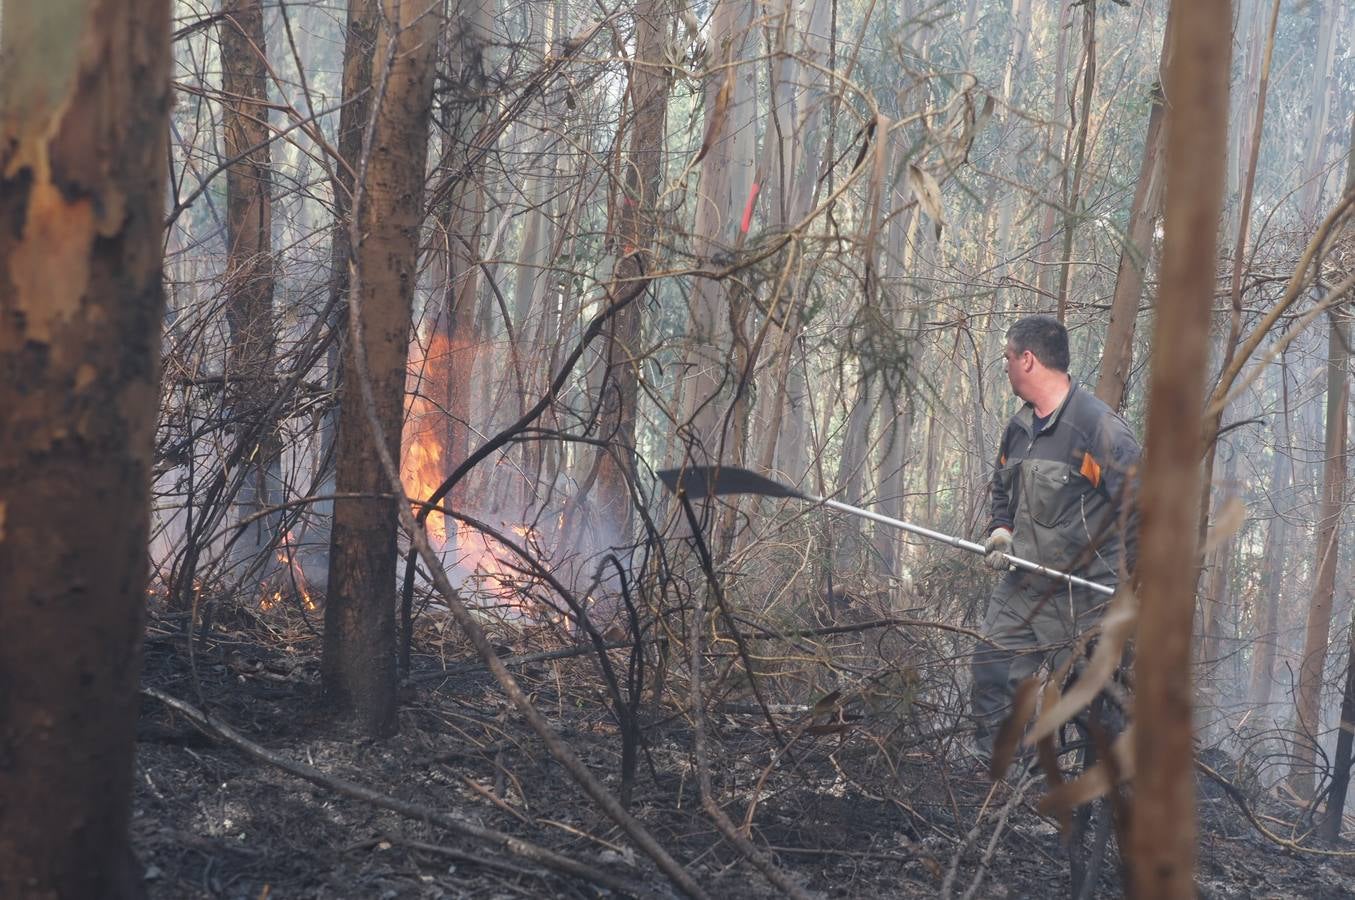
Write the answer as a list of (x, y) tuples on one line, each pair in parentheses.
[(288, 580)]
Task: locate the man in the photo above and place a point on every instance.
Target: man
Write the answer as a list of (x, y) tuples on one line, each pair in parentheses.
[(1062, 497)]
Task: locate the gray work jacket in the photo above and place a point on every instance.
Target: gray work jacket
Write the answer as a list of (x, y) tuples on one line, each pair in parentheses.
[(1062, 491)]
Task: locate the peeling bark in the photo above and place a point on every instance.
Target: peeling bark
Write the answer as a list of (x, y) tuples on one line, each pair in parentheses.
[(84, 98)]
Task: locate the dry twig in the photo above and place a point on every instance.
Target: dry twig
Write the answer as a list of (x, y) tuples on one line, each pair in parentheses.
[(505, 843)]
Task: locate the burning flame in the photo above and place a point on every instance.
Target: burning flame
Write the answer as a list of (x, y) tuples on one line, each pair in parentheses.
[(423, 464)]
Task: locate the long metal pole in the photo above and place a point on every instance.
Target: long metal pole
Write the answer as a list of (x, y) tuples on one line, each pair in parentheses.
[(972, 547)]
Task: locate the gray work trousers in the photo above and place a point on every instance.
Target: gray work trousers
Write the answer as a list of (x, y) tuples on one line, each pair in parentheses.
[(1029, 619)]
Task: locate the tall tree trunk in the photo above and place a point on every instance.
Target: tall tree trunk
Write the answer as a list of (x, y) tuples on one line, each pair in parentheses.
[(1320, 97), (851, 472), (1057, 165), (462, 227), (1013, 94), (1214, 605), (358, 662), (1072, 201), (83, 125), (1273, 556), (1308, 700), (898, 432), (359, 41), (249, 283), (1336, 803), (642, 179), (793, 432), (1330, 827), (532, 316), (1118, 355), (896, 418), (1230, 343), (726, 178), (1162, 829)]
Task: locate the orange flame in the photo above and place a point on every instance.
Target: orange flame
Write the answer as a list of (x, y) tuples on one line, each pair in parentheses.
[(423, 463)]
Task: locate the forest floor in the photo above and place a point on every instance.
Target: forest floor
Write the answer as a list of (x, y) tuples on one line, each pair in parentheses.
[(213, 821)]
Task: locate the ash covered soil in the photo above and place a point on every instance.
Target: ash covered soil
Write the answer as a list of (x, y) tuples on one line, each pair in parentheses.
[(847, 812)]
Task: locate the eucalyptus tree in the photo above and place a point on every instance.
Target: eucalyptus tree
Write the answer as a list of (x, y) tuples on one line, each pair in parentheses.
[(359, 656), (84, 102), (637, 225), (1162, 837), (250, 369)]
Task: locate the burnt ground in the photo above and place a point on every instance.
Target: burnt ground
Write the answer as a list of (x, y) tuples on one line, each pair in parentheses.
[(850, 812)]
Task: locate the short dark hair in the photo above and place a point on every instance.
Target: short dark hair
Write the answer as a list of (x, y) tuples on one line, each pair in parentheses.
[(1043, 336)]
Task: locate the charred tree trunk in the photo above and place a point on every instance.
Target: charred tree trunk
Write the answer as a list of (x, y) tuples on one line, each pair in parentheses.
[(359, 41), (1162, 830), (1336, 802), (249, 284), (358, 664), (1330, 827), (462, 226), (83, 126)]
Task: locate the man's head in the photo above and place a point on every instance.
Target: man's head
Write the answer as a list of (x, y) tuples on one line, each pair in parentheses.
[(1037, 359)]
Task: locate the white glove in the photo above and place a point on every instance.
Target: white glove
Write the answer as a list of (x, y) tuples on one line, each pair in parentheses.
[(998, 543)]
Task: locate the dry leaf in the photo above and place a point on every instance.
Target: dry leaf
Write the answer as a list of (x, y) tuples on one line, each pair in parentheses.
[(1023, 707), (826, 704), (928, 194), (1096, 781), (989, 104), (1227, 523), (829, 728), (690, 23), (1049, 758), (877, 185), (1115, 629)]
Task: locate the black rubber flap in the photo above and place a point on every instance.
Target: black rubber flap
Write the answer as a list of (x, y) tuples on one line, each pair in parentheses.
[(707, 481)]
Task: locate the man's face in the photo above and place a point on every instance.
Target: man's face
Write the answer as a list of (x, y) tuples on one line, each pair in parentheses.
[(1019, 365)]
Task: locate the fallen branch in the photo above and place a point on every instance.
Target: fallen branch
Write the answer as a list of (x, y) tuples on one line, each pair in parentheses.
[(501, 841), (948, 884), (763, 633), (1241, 801), (525, 659)]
